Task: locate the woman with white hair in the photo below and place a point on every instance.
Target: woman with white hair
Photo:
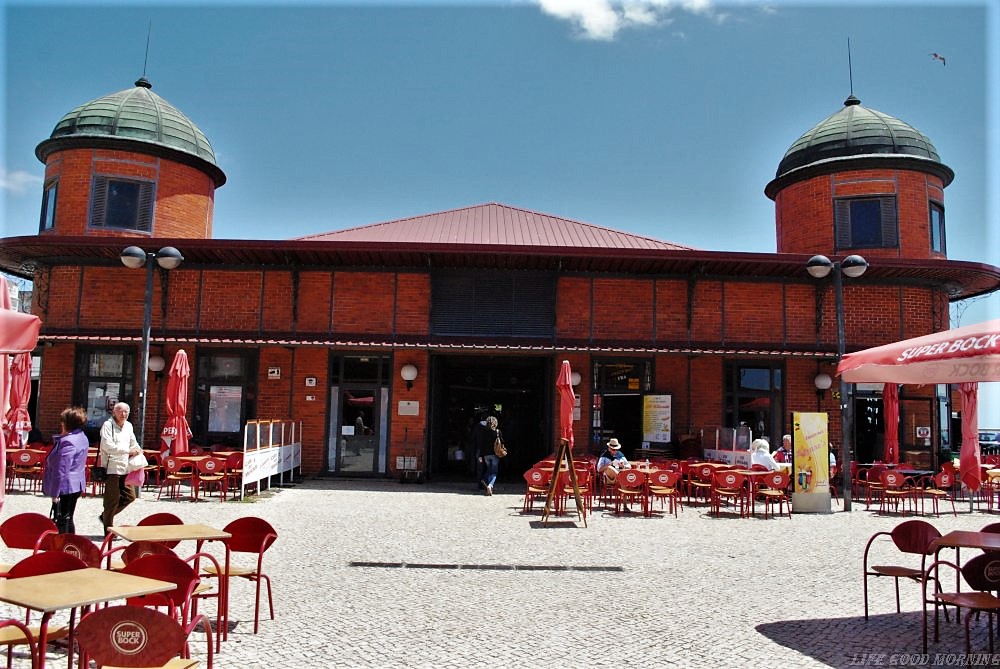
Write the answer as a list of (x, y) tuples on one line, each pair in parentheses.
[(118, 444), (760, 454)]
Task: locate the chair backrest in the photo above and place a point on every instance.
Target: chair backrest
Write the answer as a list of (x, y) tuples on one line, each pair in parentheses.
[(706, 473), (26, 530), (164, 567), (778, 479), (993, 528), (944, 479), (196, 450), (234, 461), (24, 458), (948, 466), (630, 479), (250, 535), (983, 572), (48, 562), (891, 478), (76, 545), (728, 480), (536, 476), (756, 467), (162, 519), (140, 549), (915, 536), (211, 466), (130, 636), (665, 478)]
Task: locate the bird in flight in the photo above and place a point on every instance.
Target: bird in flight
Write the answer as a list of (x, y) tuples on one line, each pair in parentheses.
[(937, 56)]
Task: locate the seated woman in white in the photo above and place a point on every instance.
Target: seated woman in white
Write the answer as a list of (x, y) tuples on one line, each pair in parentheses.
[(760, 455)]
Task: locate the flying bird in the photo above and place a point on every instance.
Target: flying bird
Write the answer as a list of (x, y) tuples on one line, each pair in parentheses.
[(937, 56)]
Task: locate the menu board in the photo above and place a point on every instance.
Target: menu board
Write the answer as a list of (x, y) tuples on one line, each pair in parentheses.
[(656, 418)]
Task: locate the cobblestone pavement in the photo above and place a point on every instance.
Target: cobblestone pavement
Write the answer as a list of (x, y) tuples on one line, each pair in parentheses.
[(382, 574)]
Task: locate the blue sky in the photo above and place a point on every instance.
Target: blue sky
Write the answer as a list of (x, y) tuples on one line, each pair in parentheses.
[(664, 119)]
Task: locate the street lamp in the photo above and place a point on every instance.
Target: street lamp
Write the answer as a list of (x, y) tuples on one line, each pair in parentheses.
[(133, 257), (852, 267)]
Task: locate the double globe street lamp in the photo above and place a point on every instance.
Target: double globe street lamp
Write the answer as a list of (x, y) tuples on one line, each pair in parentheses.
[(134, 257), (852, 267)]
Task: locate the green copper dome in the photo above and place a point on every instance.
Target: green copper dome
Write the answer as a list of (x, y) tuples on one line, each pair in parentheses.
[(853, 131), (130, 117), (857, 138)]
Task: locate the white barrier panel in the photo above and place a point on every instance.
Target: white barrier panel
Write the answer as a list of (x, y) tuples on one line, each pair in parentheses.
[(263, 463)]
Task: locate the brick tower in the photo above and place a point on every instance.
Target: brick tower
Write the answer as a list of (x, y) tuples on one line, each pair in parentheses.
[(864, 182), (125, 165)]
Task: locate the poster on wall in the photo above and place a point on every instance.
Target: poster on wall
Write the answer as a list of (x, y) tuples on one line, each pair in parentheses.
[(656, 418), (810, 463)]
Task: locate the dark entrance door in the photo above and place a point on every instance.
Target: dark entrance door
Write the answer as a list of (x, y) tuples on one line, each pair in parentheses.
[(466, 389)]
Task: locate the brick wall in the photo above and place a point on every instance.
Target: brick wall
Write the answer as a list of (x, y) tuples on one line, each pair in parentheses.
[(184, 195), (804, 210)]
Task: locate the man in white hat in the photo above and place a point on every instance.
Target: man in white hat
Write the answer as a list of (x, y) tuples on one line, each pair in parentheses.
[(612, 460)]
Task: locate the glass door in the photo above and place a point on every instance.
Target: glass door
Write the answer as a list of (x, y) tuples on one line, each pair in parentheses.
[(359, 431)]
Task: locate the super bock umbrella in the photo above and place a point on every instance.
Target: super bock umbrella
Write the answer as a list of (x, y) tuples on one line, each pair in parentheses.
[(176, 433)]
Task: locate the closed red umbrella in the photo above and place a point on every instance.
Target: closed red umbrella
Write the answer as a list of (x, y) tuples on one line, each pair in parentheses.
[(890, 404), (968, 460), (17, 423), (176, 432), (18, 334), (567, 401)]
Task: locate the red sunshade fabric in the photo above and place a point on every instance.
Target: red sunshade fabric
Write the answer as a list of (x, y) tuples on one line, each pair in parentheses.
[(970, 353), (17, 422), (969, 462), (18, 332), (890, 401), (564, 384), (176, 433)]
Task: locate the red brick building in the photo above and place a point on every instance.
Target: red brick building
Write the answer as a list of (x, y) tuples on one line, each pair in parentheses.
[(481, 303)]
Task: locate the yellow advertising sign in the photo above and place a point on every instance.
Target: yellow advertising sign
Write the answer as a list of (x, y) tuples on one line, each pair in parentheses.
[(811, 443)]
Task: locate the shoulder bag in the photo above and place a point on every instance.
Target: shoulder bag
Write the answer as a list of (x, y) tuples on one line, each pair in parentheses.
[(499, 449)]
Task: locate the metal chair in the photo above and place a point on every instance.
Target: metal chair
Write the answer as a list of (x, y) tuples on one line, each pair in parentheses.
[(135, 636), (664, 485), (982, 575), (912, 537), (254, 536)]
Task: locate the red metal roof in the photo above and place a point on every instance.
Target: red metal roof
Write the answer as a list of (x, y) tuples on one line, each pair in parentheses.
[(495, 224)]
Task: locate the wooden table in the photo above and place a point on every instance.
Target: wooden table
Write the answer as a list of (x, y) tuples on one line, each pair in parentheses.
[(49, 593), (197, 532)]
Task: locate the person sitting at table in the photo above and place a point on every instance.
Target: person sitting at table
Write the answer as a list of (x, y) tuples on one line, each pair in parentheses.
[(784, 452), (760, 455), (612, 460)]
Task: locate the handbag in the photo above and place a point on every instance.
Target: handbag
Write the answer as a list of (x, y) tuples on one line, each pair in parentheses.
[(499, 449), (98, 474), (137, 462)]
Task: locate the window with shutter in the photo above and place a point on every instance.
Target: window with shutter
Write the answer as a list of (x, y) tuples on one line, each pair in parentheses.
[(869, 222), (493, 303), (122, 204)]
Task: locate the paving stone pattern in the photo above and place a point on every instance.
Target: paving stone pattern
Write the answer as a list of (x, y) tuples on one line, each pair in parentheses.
[(383, 574)]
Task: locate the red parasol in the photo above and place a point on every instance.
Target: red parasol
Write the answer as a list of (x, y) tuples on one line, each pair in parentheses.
[(567, 401), (17, 423), (18, 334), (890, 405), (176, 432), (968, 462), (970, 353)]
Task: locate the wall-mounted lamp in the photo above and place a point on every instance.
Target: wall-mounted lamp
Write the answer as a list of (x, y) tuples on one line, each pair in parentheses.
[(408, 373), (156, 363), (575, 379), (823, 383)]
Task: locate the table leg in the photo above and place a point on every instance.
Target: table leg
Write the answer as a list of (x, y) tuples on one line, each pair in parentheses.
[(43, 638)]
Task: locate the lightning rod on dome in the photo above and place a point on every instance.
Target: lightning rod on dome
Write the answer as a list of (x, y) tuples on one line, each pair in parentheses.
[(850, 70), (145, 60)]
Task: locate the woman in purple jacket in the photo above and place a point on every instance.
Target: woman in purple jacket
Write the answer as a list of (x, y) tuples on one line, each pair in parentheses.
[(66, 468)]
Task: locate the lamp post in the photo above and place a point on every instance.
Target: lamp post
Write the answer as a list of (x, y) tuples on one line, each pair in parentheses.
[(852, 267), (133, 257)]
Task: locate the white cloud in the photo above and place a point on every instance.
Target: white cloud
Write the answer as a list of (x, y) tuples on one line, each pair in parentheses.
[(604, 19), (17, 182)]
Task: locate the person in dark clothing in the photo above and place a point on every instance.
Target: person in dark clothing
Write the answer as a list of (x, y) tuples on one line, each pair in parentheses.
[(487, 433)]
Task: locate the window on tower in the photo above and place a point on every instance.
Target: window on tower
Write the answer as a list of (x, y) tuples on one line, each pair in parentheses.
[(868, 222), (122, 204), (937, 227), (48, 220)]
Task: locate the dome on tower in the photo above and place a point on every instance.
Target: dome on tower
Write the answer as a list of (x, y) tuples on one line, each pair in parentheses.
[(866, 137), (136, 119)]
